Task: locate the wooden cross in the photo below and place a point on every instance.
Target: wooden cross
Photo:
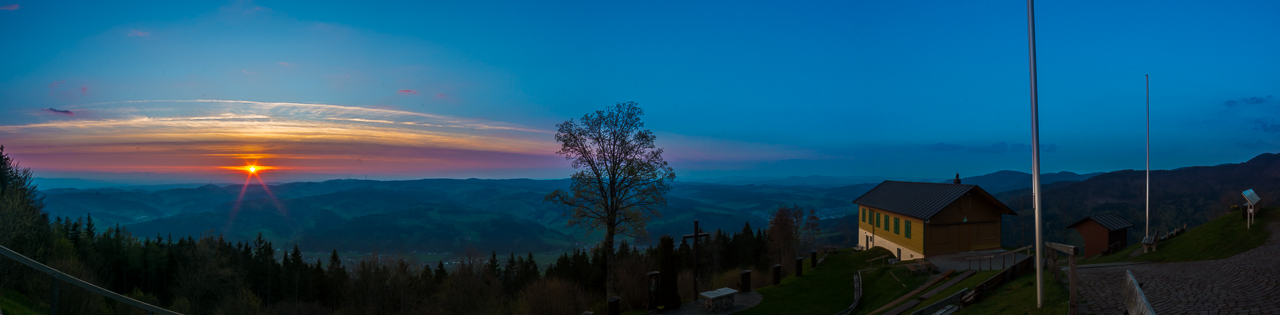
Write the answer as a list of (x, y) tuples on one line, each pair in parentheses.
[(697, 233)]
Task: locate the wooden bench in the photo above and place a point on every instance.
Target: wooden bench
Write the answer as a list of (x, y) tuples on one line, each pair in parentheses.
[(719, 299), (1149, 243)]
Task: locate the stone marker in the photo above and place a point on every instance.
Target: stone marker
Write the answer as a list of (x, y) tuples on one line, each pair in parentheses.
[(615, 305), (744, 281), (654, 301), (777, 274), (813, 259), (799, 266)]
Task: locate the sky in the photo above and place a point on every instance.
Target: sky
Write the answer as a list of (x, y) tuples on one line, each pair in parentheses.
[(176, 91)]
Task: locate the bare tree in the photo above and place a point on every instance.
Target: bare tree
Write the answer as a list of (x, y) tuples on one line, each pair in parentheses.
[(622, 178)]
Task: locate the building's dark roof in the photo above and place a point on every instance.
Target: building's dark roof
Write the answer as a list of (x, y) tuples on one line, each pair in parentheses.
[(920, 200), (1108, 220)]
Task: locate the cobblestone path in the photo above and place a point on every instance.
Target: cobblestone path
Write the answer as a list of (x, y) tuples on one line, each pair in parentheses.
[(1247, 283)]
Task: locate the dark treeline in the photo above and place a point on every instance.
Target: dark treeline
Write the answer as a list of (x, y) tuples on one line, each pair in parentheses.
[(210, 275)]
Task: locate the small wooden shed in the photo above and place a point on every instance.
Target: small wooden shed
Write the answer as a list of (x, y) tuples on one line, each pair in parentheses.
[(1102, 233)]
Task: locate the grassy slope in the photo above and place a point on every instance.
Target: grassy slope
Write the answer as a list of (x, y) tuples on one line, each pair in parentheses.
[(880, 288), (1217, 239), (975, 279), (1019, 297), (13, 303), (829, 288)]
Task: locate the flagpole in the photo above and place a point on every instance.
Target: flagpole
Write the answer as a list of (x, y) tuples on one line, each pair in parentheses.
[(1147, 231), (1035, 151)]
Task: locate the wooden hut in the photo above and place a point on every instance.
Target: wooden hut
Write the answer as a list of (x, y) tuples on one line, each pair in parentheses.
[(1103, 234)]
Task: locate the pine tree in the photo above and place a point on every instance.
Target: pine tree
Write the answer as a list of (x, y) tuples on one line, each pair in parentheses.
[(441, 274)]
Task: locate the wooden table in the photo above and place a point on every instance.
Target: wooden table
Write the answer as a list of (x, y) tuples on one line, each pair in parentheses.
[(928, 266)]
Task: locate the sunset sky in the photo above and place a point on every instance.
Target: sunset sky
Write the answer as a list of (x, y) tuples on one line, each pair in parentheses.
[(175, 91)]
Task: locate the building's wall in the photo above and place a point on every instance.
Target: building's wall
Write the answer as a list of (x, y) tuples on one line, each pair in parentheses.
[(970, 223), (887, 236), (876, 240), (969, 208), (1096, 237)]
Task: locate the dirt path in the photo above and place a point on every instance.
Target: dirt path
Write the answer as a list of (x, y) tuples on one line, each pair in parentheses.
[(1247, 283)]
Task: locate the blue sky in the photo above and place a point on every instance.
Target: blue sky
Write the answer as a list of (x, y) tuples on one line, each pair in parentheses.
[(474, 89)]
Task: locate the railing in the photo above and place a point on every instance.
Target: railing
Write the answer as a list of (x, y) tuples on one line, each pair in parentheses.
[(58, 275), (1019, 268), (857, 294), (1135, 302), (954, 299)]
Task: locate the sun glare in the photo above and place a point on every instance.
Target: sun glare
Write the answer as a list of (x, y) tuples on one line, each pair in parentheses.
[(250, 169)]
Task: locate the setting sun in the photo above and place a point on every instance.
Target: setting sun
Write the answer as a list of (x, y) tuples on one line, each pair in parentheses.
[(251, 169)]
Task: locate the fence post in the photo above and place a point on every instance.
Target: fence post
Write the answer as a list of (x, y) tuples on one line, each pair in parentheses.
[(1074, 308), (777, 274)]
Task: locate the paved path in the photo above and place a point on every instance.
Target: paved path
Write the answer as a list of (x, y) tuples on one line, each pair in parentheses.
[(741, 302), (1247, 283)]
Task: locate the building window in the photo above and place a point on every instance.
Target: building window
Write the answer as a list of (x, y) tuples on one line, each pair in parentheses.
[(896, 226), (864, 215), (908, 229), (886, 223), (877, 214)]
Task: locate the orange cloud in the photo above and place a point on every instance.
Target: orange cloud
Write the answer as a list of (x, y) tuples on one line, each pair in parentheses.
[(10, 7), (164, 136), (138, 33), (409, 92)]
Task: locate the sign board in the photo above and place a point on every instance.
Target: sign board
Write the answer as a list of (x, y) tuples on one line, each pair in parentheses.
[(1252, 197)]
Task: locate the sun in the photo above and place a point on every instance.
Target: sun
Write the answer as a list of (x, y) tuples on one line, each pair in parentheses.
[(251, 169)]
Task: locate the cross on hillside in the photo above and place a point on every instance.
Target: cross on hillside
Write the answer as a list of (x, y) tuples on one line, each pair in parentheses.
[(697, 233)]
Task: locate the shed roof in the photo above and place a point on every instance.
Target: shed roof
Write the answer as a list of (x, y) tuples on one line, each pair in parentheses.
[(1109, 220), (921, 200)]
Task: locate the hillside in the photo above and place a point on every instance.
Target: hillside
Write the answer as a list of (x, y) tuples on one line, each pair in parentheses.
[(1189, 195), (1003, 181)]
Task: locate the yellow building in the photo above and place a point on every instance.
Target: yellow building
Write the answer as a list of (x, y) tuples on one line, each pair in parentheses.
[(917, 220)]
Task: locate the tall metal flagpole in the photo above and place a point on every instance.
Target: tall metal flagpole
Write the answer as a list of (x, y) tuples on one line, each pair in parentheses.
[(1035, 151), (1147, 231)]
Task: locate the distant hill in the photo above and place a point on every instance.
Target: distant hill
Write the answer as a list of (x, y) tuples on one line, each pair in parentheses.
[(421, 215), (1189, 195), (1003, 181), (819, 181)]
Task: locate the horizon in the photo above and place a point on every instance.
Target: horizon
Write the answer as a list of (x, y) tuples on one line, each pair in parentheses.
[(178, 92), (82, 183)]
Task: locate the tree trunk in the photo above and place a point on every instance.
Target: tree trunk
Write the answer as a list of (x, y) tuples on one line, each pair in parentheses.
[(608, 260)]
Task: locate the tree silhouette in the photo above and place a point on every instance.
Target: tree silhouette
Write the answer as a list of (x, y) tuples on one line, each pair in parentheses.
[(622, 178)]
